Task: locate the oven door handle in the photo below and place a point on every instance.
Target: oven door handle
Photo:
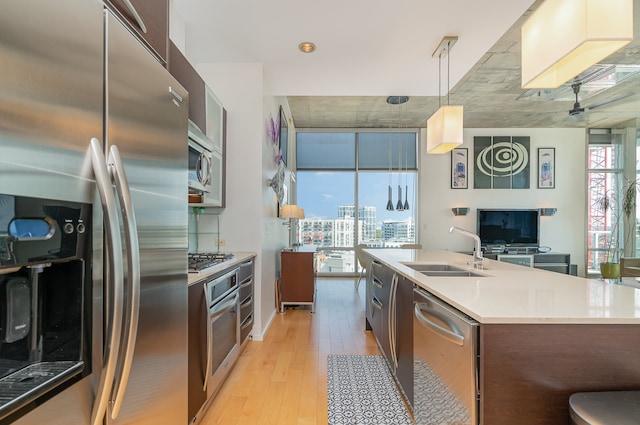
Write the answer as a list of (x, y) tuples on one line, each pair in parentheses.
[(207, 370), (222, 308), (452, 335), (113, 281), (133, 276)]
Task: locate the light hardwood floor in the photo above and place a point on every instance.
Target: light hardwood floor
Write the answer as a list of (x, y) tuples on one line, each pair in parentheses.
[(283, 379)]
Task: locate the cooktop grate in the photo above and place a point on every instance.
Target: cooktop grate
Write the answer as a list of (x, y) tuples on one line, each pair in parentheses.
[(201, 260)]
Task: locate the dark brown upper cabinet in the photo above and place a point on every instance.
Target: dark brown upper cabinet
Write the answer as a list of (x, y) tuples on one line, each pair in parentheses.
[(186, 75), (149, 19)]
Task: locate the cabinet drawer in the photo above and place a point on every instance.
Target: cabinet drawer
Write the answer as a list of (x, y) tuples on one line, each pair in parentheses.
[(245, 327), (246, 308), (246, 289), (246, 271)]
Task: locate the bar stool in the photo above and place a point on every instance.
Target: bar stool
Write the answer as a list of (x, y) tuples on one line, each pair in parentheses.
[(605, 408)]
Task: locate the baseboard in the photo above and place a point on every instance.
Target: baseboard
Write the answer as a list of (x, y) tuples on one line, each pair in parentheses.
[(260, 337)]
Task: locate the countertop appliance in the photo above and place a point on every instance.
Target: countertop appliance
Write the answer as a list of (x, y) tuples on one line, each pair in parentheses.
[(91, 123), (446, 378)]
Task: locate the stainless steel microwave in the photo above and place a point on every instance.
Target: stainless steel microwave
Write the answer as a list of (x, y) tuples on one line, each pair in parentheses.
[(201, 161)]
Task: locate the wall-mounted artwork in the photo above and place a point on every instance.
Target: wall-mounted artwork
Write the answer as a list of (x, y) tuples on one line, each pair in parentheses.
[(501, 162), (284, 136), (459, 169), (546, 168)]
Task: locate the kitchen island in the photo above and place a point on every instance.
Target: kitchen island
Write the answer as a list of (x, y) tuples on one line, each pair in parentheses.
[(542, 335)]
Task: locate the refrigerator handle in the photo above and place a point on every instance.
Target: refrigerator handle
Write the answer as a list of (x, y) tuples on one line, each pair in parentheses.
[(207, 371), (136, 15), (113, 280), (133, 275)]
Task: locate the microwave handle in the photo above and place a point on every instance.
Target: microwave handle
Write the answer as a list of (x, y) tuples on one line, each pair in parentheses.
[(113, 282), (133, 275), (203, 177)]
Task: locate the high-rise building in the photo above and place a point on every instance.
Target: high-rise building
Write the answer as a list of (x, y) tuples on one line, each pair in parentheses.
[(401, 231), (366, 215)]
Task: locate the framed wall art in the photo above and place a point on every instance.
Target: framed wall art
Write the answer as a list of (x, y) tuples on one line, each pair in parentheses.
[(501, 162), (546, 168), (459, 169), (284, 137)]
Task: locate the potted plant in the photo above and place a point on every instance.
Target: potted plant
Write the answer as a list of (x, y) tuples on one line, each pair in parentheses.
[(610, 268)]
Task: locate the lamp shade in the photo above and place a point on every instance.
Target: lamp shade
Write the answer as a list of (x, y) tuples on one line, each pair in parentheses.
[(445, 129), (291, 211), (562, 38)]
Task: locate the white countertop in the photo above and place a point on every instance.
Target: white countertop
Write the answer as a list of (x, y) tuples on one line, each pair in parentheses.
[(239, 257), (510, 293)]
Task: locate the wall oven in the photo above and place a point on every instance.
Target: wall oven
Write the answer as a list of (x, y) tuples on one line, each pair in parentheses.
[(223, 337), (446, 378)]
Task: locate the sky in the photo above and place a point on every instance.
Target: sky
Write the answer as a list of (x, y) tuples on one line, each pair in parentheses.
[(321, 193)]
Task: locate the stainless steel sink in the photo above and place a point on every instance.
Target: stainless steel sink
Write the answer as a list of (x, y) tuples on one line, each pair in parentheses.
[(434, 267), (451, 273), (442, 270)]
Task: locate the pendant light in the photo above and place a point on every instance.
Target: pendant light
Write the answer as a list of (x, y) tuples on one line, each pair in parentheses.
[(562, 38), (406, 187), (445, 126), (399, 205), (389, 202)]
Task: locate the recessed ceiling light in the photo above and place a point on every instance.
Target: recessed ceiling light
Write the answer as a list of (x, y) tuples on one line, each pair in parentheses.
[(307, 47)]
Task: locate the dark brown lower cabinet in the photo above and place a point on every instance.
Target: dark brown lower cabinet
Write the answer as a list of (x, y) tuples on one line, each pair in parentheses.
[(528, 372), (404, 336)]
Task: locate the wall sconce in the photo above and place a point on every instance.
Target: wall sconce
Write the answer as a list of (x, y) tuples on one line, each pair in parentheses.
[(562, 38), (445, 126), (291, 212), (546, 212), (460, 211)]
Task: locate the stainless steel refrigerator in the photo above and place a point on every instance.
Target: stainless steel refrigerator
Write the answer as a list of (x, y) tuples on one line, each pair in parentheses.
[(90, 119)]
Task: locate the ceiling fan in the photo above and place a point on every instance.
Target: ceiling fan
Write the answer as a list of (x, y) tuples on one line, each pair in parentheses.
[(578, 111)]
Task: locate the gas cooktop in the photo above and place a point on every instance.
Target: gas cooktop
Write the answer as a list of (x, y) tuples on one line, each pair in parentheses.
[(202, 260)]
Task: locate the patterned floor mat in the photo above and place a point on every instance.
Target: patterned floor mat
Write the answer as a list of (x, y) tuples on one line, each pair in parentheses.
[(362, 391)]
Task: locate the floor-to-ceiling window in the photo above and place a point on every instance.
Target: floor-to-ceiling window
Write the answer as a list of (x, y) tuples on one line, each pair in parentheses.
[(605, 176), (355, 187)]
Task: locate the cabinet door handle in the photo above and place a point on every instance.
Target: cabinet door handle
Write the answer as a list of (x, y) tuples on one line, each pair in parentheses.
[(377, 283), (392, 320), (376, 303), (136, 15), (207, 370)]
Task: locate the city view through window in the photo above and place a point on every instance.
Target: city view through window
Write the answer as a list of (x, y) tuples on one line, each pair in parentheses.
[(331, 224)]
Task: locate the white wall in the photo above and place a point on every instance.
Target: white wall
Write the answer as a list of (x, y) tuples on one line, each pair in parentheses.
[(249, 222), (563, 232)]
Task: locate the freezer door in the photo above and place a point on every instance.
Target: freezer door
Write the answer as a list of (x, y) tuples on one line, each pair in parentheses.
[(50, 97), (146, 119), (51, 100)]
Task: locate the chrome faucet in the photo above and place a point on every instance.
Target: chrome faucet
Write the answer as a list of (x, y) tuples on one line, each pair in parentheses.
[(477, 253)]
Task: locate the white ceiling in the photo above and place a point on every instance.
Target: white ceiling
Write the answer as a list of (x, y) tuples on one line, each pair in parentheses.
[(368, 50)]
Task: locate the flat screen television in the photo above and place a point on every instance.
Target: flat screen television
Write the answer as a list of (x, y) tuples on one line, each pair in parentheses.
[(511, 228)]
